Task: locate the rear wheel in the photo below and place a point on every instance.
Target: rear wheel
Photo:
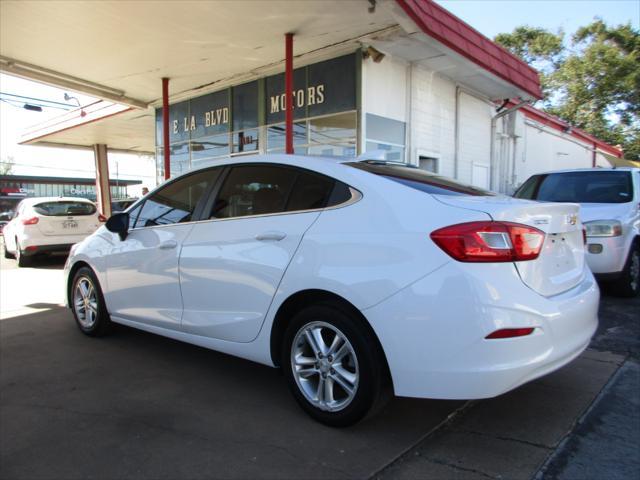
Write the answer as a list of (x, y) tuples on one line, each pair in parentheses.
[(334, 366), (23, 261), (628, 285), (6, 252), (87, 303)]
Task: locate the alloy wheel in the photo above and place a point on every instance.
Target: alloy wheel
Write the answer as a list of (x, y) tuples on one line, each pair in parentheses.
[(85, 302), (325, 366)]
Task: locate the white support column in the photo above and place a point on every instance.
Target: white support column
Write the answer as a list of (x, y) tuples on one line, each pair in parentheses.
[(103, 192)]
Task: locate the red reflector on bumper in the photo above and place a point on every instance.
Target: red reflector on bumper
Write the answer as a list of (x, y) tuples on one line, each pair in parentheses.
[(510, 333)]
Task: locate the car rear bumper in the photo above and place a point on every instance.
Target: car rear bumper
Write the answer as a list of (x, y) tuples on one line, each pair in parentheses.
[(31, 250), (433, 332)]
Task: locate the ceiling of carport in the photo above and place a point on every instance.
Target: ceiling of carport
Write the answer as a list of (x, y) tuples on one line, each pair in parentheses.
[(131, 45)]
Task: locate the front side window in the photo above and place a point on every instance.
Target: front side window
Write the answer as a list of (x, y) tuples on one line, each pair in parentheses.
[(579, 187), (176, 202)]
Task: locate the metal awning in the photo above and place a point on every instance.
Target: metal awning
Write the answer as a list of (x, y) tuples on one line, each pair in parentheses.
[(119, 52)]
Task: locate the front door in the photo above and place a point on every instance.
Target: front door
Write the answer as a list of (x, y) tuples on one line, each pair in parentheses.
[(142, 271)]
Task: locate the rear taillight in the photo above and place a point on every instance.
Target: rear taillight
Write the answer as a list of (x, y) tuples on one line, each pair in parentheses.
[(30, 221), (102, 218), (510, 333), (490, 241), (584, 236)]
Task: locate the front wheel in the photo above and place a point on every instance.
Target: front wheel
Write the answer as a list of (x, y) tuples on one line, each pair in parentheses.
[(87, 303), (628, 285), (334, 365)]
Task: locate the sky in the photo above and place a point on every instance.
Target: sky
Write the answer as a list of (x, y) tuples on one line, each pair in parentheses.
[(49, 161), (490, 17)]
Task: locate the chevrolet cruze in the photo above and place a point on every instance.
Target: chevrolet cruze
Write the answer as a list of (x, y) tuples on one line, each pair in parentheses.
[(359, 279)]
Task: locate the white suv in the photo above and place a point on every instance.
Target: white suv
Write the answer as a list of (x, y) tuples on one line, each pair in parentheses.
[(609, 201), (48, 225)]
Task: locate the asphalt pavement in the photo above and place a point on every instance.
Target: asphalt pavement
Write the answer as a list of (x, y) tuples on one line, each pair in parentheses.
[(135, 405)]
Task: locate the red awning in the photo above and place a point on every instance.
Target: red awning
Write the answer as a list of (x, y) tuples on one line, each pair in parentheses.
[(452, 32)]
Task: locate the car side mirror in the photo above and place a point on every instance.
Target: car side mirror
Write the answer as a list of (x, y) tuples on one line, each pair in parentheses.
[(119, 223)]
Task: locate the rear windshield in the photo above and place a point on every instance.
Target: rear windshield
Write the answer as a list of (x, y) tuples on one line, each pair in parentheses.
[(63, 209), (579, 187), (419, 179)]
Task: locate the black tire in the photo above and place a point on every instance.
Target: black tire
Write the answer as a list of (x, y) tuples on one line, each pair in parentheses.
[(92, 317), (628, 285), (23, 261), (371, 391), (6, 252)]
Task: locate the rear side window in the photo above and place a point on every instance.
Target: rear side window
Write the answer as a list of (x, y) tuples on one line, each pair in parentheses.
[(176, 202), (63, 209), (419, 179), (254, 190), (580, 187), (310, 191)]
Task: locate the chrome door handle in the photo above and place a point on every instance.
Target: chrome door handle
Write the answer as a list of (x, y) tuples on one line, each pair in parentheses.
[(275, 236), (168, 245)]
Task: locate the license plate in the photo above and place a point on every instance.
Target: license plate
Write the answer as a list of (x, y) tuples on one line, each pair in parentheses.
[(69, 224)]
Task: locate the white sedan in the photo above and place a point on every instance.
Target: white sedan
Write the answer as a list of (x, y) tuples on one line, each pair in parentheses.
[(46, 225), (357, 278)]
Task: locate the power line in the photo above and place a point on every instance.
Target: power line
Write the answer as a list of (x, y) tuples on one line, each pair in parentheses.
[(21, 98)]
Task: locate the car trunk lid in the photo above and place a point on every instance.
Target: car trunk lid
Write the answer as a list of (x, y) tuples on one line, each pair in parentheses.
[(560, 265)]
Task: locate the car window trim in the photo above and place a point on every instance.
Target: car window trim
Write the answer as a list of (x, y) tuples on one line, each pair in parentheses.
[(356, 195)]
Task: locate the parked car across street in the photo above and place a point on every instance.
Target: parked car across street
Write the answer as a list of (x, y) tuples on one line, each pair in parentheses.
[(357, 278), (48, 225), (609, 201)]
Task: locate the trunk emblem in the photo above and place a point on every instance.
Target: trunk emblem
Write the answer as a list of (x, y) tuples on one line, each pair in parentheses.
[(572, 219)]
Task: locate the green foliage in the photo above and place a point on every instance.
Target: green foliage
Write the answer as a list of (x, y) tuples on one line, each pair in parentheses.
[(593, 83)]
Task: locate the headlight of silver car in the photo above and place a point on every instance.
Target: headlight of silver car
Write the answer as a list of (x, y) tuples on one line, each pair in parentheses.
[(603, 228)]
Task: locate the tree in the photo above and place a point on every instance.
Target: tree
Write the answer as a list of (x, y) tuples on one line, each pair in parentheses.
[(6, 165), (594, 83)]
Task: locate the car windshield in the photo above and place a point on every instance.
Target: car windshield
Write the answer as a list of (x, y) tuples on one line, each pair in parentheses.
[(62, 209), (419, 179), (579, 187)]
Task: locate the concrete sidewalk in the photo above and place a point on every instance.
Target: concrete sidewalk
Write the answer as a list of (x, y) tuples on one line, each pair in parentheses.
[(606, 442), (510, 436)]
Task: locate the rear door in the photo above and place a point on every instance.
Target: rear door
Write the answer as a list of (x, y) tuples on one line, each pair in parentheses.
[(232, 263), (66, 217)]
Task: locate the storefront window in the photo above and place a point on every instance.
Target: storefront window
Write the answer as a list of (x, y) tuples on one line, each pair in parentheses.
[(386, 134), (249, 118), (208, 147)]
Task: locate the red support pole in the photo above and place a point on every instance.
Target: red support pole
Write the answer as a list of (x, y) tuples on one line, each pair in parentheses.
[(165, 128), (288, 92)]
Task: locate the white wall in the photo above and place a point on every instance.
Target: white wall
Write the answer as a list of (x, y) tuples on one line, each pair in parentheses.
[(433, 118), (385, 88), (543, 149)]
